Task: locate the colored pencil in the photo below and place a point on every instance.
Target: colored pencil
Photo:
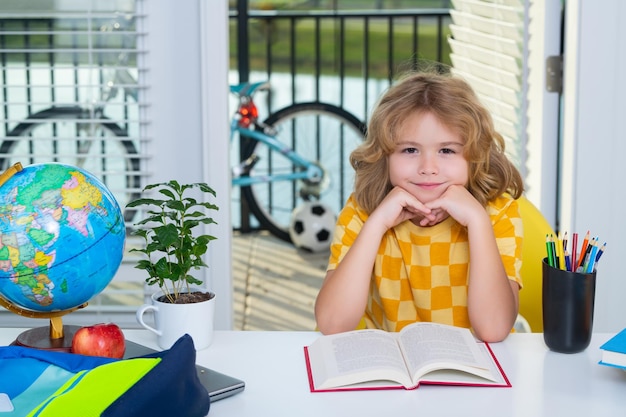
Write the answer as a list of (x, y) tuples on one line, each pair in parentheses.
[(587, 253), (574, 249), (559, 251), (592, 258), (549, 251), (600, 252), (590, 247), (583, 248)]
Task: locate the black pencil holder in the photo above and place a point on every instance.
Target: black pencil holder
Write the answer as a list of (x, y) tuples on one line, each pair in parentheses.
[(568, 302)]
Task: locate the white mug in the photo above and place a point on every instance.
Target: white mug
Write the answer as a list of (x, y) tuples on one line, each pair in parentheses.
[(174, 320)]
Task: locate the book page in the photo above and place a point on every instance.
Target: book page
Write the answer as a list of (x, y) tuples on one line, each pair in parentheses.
[(456, 377), (431, 346), (358, 356)]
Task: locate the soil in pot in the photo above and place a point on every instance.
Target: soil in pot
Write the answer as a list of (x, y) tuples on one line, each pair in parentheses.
[(189, 298)]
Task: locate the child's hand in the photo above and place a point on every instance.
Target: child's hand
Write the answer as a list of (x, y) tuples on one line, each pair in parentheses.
[(457, 202), (398, 206), (437, 215)]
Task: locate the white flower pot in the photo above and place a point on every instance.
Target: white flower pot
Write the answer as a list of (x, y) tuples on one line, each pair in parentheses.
[(174, 320)]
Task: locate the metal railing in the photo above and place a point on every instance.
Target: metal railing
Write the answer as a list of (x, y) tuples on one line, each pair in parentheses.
[(346, 58), (369, 45)]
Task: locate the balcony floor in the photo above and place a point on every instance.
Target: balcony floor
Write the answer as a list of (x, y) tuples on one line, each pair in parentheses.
[(275, 284)]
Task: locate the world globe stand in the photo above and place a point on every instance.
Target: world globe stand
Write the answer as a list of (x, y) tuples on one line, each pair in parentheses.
[(56, 336)]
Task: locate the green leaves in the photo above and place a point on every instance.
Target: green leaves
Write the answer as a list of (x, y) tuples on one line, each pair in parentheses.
[(172, 249)]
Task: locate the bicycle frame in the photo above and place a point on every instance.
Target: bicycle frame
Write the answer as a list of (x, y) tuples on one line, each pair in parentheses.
[(311, 171)]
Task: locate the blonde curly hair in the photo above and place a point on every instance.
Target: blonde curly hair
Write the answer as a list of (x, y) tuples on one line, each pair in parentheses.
[(454, 103)]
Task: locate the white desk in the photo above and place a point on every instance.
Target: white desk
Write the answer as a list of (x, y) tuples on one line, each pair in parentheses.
[(272, 365)]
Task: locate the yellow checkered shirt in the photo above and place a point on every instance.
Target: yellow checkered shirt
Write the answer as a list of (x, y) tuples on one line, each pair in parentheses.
[(421, 273)]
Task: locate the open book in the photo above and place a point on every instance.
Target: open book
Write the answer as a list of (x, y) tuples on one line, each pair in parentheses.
[(421, 353)]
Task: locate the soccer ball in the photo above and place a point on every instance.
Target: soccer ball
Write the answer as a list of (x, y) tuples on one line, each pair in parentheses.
[(311, 226)]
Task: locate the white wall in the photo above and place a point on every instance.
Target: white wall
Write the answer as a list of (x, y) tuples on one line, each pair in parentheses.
[(594, 111), (215, 138), (188, 61)]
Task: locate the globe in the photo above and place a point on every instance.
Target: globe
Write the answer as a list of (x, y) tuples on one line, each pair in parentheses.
[(62, 237)]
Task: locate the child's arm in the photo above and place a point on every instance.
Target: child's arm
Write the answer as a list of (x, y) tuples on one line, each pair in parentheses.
[(343, 296), (492, 299), (342, 299)]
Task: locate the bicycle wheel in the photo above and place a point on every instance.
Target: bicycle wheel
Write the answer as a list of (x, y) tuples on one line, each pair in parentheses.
[(320, 132), (69, 135)]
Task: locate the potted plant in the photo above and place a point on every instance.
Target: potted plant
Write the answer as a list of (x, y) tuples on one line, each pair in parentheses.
[(173, 248)]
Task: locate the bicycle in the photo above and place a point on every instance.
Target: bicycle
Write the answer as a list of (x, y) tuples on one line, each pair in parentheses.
[(299, 153)]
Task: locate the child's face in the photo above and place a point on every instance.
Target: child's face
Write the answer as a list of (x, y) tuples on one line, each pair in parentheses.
[(428, 158)]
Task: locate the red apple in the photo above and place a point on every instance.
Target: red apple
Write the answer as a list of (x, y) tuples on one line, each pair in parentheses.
[(103, 339)]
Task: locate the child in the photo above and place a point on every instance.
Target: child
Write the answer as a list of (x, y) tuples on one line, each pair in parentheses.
[(432, 231)]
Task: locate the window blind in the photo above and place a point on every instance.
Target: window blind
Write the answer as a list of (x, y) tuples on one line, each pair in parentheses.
[(72, 92), (489, 49)]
